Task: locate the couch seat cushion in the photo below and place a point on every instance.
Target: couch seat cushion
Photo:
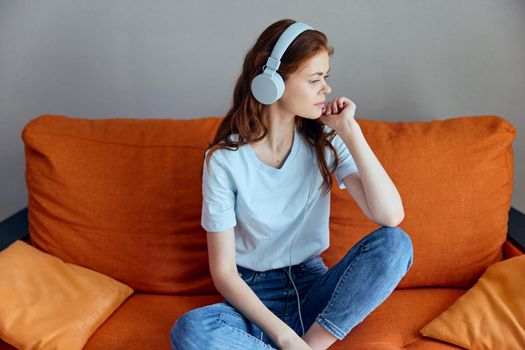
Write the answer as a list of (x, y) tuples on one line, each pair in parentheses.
[(144, 321)]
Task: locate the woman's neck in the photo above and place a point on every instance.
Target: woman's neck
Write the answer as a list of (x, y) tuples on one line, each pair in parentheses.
[(281, 129)]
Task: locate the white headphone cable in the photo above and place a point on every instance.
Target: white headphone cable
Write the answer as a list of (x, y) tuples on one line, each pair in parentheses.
[(291, 244)]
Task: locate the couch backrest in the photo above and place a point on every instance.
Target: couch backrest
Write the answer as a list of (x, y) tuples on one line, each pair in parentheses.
[(455, 177), (123, 196)]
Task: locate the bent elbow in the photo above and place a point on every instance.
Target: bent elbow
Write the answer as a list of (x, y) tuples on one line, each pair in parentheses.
[(397, 221), (391, 222)]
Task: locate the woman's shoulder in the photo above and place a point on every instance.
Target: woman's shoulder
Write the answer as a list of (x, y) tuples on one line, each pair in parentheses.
[(226, 153)]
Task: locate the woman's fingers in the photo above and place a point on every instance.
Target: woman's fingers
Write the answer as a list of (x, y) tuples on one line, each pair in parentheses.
[(336, 105), (329, 107)]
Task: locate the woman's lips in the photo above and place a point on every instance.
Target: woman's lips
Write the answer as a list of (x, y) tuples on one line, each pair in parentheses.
[(320, 104)]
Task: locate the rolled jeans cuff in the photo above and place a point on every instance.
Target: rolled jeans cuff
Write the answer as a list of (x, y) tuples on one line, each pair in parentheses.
[(329, 326)]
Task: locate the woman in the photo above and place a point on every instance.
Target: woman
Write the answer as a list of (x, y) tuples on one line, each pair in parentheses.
[(266, 184)]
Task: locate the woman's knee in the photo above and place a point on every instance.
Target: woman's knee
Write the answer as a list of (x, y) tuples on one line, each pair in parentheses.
[(187, 330), (399, 244)]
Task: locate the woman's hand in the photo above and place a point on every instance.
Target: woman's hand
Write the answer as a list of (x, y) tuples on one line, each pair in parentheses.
[(338, 113)]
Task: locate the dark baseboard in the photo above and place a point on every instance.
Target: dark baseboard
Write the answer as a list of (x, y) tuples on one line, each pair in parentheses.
[(14, 228), (516, 228)]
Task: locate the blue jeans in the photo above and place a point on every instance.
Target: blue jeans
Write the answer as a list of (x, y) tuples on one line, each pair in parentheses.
[(338, 298)]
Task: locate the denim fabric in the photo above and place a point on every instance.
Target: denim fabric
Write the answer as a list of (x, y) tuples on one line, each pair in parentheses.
[(338, 298)]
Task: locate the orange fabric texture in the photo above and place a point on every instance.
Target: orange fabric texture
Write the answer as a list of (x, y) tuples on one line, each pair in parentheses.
[(455, 177), (490, 315), (123, 196), (49, 304), (393, 325)]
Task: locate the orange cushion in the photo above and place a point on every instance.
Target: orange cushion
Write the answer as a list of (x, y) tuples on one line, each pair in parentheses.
[(123, 196), (490, 315), (144, 321), (49, 304), (393, 325), (455, 178)]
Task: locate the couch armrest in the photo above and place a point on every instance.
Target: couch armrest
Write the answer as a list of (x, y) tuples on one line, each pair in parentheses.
[(516, 228), (14, 228)]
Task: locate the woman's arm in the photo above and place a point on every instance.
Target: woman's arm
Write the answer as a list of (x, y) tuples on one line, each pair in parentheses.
[(382, 197), (223, 269)]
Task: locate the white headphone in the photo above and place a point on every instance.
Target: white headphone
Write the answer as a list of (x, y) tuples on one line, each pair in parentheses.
[(268, 86)]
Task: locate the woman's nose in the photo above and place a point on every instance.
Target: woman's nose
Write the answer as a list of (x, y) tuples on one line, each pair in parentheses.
[(327, 88)]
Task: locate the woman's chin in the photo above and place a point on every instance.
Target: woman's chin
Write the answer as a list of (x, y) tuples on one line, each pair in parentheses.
[(315, 115)]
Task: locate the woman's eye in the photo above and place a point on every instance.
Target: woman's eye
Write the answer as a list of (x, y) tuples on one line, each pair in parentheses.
[(315, 81)]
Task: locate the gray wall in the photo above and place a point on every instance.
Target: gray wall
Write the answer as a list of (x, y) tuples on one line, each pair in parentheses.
[(397, 60)]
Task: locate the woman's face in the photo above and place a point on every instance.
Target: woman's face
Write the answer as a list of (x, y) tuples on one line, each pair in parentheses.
[(307, 87)]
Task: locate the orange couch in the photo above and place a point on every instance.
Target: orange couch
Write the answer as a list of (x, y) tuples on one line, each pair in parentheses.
[(122, 196)]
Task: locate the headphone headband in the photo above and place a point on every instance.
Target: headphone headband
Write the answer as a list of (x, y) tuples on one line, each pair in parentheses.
[(286, 38)]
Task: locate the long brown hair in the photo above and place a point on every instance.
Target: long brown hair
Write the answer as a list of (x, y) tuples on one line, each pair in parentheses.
[(245, 117)]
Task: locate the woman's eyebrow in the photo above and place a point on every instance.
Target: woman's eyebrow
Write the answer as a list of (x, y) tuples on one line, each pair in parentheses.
[(320, 73)]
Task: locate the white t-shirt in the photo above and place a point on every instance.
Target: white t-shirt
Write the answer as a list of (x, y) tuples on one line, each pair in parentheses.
[(268, 207)]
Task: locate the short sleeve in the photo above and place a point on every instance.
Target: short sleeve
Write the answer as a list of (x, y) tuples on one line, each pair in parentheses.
[(218, 197), (346, 165)]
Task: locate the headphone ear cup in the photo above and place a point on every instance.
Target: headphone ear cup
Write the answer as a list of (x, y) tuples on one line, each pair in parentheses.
[(280, 85), (267, 89)]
